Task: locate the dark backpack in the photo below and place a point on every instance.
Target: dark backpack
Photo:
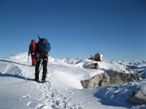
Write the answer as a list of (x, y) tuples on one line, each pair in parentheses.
[(43, 46)]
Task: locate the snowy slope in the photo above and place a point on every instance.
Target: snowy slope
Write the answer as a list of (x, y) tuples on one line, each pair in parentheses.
[(63, 89)]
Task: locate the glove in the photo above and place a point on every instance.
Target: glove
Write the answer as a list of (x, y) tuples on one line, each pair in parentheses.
[(37, 55), (46, 54)]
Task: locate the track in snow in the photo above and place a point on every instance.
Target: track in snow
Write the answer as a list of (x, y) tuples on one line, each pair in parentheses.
[(46, 96)]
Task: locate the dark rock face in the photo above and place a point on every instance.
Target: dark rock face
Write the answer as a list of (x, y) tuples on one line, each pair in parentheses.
[(109, 78)]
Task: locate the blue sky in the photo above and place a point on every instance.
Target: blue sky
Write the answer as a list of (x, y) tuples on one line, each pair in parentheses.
[(75, 28)]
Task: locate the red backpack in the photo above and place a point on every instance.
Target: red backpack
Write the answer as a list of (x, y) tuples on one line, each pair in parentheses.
[(33, 46)]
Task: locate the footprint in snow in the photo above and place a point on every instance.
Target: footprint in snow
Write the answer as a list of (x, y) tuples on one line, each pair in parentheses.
[(32, 105), (27, 96), (42, 106)]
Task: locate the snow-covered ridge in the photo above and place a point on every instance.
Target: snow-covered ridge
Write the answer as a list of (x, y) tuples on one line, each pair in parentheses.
[(119, 66), (74, 68)]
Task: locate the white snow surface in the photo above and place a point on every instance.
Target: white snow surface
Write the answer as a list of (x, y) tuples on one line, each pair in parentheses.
[(63, 89)]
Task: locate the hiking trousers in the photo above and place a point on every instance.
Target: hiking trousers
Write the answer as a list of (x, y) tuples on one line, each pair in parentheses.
[(41, 63), (33, 60)]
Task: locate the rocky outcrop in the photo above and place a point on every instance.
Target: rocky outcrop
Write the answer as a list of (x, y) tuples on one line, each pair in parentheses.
[(137, 97), (92, 66), (109, 78)]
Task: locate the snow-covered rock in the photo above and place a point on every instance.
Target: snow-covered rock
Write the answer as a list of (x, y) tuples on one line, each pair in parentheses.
[(109, 78)]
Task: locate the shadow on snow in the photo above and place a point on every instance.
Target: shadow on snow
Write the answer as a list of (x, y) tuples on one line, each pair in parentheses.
[(15, 75), (116, 95), (14, 62)]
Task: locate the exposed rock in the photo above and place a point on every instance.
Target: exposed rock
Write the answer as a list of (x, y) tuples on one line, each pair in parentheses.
[(137, 97), (92, 66), (109, 78)]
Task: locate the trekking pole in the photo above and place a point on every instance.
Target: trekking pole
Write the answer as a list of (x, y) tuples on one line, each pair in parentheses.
[(28, 59)]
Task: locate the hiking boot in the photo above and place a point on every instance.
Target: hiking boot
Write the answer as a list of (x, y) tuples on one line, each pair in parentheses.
[(43, 81), (36, 79), (43, 78)]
